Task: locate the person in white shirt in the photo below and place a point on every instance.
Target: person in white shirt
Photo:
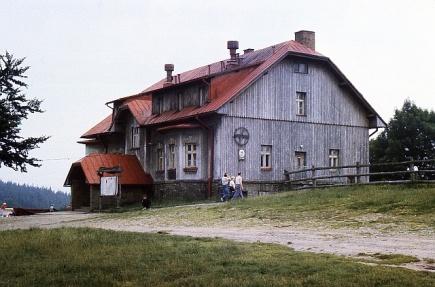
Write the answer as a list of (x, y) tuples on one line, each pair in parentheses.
[(239, 187), (225, 181), (232, 186)]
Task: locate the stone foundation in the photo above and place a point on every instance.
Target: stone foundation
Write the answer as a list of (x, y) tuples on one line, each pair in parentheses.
[(188, 190)]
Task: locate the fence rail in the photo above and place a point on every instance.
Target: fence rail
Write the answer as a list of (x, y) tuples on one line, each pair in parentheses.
[(361, 174)]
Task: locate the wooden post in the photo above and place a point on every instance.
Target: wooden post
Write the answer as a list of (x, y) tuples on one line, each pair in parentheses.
[(358, 177), (411, 168), (313, 175)]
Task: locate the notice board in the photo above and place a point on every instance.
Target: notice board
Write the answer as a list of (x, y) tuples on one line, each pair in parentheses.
[(109, 185)]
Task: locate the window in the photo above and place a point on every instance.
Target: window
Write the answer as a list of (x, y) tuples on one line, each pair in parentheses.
[(266, 157), (300, 160), (333, 157), (159, 105), (171, 163), (190, 156), (300, 103), (135, 137), (160, 159), (301, 68)]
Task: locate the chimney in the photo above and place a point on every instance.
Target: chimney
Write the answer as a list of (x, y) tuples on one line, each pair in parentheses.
[(233, 46), (169, 68), (249, 50), (306, 38)]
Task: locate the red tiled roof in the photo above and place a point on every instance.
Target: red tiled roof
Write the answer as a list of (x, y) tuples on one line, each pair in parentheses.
[(133, 173), (101, 127)]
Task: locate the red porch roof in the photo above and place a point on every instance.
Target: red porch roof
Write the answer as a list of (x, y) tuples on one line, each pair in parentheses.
[(133, 173)]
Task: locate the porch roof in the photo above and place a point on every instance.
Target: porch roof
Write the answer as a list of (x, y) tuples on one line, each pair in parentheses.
[(133, 173)]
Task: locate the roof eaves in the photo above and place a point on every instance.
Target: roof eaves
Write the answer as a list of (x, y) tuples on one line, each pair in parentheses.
[(352, 87)]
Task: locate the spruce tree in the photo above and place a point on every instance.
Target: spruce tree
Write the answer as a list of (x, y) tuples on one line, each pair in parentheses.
[(14, 108)]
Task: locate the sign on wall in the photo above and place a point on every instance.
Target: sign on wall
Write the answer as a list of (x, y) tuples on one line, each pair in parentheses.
[(109, 185), (242, 154)]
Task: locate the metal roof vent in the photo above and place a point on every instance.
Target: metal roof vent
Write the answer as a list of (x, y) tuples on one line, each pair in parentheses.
[(169, 68), (249, 50), (233, 46)]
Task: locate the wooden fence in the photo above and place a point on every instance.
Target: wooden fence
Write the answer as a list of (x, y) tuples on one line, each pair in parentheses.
[(408, 171)]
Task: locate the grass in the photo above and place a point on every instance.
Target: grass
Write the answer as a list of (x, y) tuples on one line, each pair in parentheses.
[(91, 257), (389, 207)]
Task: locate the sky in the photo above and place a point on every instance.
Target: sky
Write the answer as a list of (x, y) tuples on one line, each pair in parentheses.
[(84, 53)]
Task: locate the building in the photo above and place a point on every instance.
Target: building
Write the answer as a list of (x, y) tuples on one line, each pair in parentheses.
[(261, 112)]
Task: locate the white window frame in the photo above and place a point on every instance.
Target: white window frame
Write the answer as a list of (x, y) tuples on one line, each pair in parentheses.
[(266, 157), (301, 103), (160, 159), (191, 155), (298, 156), (135, 137), (334, 158), (172, 156)]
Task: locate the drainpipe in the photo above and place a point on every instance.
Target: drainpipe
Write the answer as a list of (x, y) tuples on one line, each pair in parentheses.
[(210, 138), (376, 130)]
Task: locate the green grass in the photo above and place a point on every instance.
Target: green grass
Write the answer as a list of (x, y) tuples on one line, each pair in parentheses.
[(90, 257), (410, 207)]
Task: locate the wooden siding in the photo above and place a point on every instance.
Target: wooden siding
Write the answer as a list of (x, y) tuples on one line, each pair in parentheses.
[(273, 96), (286, 138), (179, 138)]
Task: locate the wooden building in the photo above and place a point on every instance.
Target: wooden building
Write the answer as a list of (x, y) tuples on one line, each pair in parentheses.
[(259, 113)]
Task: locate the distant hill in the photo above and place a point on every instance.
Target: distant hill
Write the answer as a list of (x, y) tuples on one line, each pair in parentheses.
[(26, 196)]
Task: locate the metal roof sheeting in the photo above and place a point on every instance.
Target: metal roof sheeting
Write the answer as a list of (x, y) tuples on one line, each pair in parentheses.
[(133, 173)]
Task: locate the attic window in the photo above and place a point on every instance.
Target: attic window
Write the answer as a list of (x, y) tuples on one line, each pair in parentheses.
[(301, 68)]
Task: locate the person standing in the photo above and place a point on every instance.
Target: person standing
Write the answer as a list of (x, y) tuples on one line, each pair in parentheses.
[(225, 181), (239, 187)]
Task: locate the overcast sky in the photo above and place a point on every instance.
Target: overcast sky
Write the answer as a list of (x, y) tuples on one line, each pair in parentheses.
[(85, 53)]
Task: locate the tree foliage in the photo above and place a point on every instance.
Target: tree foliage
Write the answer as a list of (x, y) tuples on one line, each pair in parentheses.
[(26, 196), (410, 134), (14, 108)]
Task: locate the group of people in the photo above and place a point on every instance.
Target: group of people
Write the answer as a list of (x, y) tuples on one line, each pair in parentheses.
[(232, 187)]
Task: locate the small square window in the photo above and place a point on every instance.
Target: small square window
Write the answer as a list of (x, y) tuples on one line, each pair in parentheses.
[(301, 68), (266, 157), (300, 103)]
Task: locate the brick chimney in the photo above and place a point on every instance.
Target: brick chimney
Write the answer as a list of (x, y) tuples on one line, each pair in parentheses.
[(306, 38), (169, 68)]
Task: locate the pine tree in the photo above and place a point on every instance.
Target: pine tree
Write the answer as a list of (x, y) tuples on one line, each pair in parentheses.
[(14, 108)]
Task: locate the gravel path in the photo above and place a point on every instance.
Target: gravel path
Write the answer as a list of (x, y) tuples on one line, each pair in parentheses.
[(348, 242)]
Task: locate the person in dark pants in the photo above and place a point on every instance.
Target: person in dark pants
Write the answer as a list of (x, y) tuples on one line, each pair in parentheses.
[(146, 202)]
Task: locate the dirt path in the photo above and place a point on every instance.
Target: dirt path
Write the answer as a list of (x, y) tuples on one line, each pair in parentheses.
[(348, 242)]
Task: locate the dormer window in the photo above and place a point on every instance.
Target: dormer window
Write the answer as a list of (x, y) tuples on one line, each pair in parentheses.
[(301, 68)]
